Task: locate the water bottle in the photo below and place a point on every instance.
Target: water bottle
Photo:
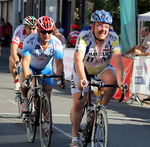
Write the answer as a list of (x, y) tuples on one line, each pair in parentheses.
[(90, 112)]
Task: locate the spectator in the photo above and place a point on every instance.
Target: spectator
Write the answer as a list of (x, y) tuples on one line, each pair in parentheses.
[(61, 30), (60, 36), (2, 30), (144, 44), (71, 41), (8, 33)]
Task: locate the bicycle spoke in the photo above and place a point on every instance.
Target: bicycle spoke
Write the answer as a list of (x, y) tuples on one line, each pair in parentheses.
[(30, 119), (45, 122), (100, 130)]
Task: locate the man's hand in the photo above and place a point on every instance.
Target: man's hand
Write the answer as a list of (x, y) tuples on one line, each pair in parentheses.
[(60, 84), (138, 52), (80, 84)]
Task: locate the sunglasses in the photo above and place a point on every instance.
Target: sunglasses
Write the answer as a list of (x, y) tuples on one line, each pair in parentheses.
[(44, 32), (31, 28)]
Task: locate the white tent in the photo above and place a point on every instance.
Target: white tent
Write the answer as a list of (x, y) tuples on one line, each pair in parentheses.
[(142, 18)]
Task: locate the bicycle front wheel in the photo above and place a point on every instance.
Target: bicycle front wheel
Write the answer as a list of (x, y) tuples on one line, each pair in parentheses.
[(30, 118), (100, 129), (45, 121)]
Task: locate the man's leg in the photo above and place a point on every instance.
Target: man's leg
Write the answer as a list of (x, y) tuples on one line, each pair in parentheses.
[(76, 114), (108, 77), (13, 70)]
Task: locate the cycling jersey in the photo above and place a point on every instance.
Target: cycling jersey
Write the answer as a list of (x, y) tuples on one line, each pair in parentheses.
[(73, 35), (94, 64), (41, 59), (18, 38)]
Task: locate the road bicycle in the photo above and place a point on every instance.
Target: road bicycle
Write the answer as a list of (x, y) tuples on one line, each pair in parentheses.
[(40, 113), (18, 97), (94, 125)]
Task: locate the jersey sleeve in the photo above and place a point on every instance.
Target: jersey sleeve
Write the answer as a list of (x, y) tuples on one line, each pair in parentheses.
[(80, 45), (16, 36), (58, 51), (26, 48)]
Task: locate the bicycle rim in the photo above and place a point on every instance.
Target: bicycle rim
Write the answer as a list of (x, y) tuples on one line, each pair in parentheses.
[(19, 100), (30, 120), (100, 129), (82, 134), (45, 121)]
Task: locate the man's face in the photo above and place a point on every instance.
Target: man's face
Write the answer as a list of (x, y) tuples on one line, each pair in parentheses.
[(144, 33), (45, 36), (100, 29), (30, 29)]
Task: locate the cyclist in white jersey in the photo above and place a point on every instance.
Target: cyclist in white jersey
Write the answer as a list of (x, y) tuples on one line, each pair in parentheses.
[(38, 52), (95, 45), (21, 32)]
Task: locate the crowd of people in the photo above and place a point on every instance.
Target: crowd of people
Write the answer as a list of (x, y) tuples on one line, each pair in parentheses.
[(37, 41)]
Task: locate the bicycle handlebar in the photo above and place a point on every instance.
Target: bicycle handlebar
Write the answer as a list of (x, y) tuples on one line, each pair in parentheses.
[(42, 76), (102, 85)]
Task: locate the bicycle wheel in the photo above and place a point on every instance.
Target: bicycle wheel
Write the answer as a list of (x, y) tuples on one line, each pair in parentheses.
[(100, 129), (45, 121), (82, 134), (19, 102), (30, 118)]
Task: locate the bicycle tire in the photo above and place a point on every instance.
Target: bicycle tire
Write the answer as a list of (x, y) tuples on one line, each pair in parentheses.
[(45, 121), (82, 134), (19, 102), (30, 121), (100, 129)]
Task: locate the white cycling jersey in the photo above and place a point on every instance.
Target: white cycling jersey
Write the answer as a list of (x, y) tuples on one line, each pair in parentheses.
[(41, 59), (19, 37), (86, 43)]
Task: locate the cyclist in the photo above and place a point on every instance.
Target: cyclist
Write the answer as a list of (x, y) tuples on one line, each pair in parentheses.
[(21, 32), (38, 52), (95, 45)]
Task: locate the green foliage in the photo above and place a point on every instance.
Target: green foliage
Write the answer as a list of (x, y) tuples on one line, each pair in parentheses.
[(113, 7)]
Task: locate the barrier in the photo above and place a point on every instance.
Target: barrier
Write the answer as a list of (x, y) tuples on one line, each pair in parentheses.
[(141, 75), (128, 63)]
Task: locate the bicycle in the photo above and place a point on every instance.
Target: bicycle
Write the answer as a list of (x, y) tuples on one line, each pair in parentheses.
[(94, 125), (18, 96), (40, 113)]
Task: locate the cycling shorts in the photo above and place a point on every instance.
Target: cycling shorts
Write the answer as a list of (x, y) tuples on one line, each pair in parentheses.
[(75, 79), (47, 71)]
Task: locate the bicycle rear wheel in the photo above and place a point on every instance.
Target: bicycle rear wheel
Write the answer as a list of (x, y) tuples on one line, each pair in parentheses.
[(45, 121), (30, 118), (100, 129)]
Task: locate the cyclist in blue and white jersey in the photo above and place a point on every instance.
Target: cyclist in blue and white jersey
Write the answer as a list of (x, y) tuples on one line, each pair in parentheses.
[(95, 46), (38, 52)]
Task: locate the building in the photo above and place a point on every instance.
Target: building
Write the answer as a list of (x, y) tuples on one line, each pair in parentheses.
[(67, 12)]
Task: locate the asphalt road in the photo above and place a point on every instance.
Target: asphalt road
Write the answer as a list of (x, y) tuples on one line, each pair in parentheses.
[(129, 124)]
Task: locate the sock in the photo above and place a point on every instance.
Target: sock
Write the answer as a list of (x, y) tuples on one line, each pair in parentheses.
[(16, 81), (75, 139), (25, 98)]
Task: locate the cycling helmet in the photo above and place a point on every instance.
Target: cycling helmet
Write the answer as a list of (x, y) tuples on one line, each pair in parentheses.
[(101, 16), (30, 20), (74, 26), (45, 23)]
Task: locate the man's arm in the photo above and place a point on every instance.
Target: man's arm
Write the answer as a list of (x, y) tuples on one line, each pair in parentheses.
[(25, 66), (59, 66), (119, 66), (13, 51)]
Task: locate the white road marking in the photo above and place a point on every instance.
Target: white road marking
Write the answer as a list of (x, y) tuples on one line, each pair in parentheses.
[(61, 131), (12, 102)]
